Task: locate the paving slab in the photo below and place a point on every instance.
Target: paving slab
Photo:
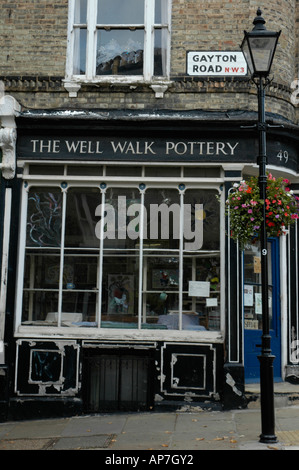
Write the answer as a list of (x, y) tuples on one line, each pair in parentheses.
[(142, 422), (88, 425), (41, 428), (24, 444), (82, 442)]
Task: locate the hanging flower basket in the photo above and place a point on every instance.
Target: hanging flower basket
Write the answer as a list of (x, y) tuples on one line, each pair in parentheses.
[(244, 207)]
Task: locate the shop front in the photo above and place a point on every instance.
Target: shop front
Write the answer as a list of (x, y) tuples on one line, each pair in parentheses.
[(129, 294)]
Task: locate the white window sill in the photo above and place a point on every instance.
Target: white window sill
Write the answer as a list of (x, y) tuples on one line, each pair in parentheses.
[(94, 333), (158, 85)]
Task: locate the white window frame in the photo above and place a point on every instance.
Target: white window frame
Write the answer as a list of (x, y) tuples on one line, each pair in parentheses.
[(149, 27), (98, 332)]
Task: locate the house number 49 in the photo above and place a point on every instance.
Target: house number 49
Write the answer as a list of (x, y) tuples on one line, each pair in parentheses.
[(283, 155)]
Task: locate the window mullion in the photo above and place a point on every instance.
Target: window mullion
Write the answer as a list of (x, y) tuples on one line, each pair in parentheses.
[(141, 234), (64, 196), (222, 259), (91, 39), (149, 19), (181, 259), (100, 272), (167, 29), (71, 35)]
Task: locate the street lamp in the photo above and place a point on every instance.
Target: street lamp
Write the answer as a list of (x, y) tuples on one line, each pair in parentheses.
[(258, 48)]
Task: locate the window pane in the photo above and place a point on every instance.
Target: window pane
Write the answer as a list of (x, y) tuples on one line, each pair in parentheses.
[(120, 12), (202, 317), (79, 66), (80, 224), (162, 171), (161, 299), (80, 272), (42, 270), (122, 218), (204, 220), (160, 38), (79, 296), (78, 308), (201, 172), (75, 170), (41, 283), (163, 218), (159, 54), (80, 12), (123, 171), (120, 291), (44, 217), (162, 274), (46, 169), (39, 306), (208, 308), (119, 52), (158, 13), (201, 313), (163, 309)]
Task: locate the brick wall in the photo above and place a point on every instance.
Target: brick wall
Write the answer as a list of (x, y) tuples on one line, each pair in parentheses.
[(33, 37), (206, 25), (33, 53)]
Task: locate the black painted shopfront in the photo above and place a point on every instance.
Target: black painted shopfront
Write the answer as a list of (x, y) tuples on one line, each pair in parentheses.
[(127, 292)]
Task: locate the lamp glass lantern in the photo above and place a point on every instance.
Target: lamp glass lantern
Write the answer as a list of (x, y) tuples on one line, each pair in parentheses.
[(259, 47)]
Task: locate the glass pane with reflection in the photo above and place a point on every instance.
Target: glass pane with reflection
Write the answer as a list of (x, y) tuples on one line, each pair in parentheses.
[(81, 218), (44, 217), (119, 52), (120, 292), (120, 12)]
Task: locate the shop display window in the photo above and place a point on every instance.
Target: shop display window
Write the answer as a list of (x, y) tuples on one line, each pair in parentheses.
[(122, 257)]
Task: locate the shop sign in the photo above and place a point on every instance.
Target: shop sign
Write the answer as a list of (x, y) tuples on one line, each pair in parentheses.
[(124, 148), (103, 148), (216, 63)]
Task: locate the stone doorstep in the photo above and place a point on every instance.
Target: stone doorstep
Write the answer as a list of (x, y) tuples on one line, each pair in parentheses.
[(285, 394)]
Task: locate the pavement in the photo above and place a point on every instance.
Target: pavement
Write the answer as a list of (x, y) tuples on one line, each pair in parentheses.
[(163, 433), (191, 430)]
